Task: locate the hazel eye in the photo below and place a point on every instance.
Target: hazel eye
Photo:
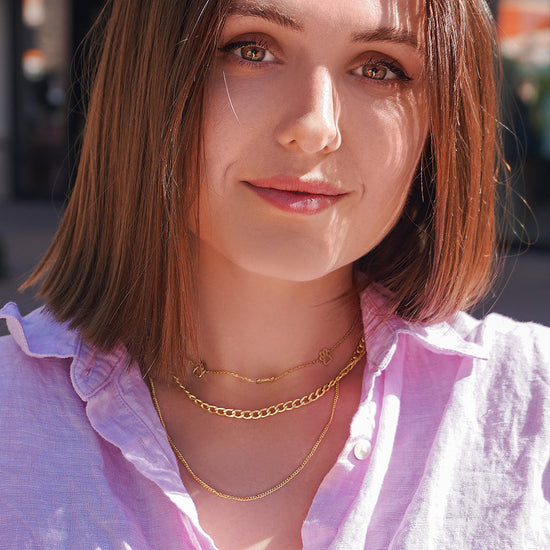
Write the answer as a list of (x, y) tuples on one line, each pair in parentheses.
[(376, 72), (382, 70), (250, 51)]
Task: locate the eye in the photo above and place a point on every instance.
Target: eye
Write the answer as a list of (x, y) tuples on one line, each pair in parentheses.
[(376, 72), (250, 51), (382, 70)]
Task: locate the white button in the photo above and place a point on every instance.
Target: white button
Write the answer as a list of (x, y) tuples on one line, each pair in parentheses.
[(362, 449)]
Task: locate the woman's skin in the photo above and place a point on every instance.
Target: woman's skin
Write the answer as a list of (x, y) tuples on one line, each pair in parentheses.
[(306, 95)]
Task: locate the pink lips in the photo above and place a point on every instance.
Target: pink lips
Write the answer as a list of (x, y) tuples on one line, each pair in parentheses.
[(295, 195)]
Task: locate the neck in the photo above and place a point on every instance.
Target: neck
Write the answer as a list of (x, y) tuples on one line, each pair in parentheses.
[(258, 326)]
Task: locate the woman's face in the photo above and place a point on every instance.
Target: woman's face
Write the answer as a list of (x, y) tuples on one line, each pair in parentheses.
[(315, 121)]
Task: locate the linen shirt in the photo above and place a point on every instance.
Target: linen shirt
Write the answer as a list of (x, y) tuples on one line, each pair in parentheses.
[(448, 449)]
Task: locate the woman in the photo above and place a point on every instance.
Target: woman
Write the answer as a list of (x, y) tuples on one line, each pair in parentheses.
[(251, 337)]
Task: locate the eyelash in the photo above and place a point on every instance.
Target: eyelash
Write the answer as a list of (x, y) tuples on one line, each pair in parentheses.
[(400, 74)]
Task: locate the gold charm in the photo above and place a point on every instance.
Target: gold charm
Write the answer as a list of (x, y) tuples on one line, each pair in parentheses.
[(325, 356), (199, 368)]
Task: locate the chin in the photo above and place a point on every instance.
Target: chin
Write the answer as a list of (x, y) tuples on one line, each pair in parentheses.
[(302, 267), (285, 256)]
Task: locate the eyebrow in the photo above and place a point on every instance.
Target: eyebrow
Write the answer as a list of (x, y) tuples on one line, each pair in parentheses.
[(269, 13), (274, 15), (387, 34)]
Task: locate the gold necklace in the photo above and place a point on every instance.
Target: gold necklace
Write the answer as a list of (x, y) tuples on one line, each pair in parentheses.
[(264, 412), (265, 493), (324, 357)]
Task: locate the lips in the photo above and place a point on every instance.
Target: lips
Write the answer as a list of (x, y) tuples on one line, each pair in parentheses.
[(296, 195)]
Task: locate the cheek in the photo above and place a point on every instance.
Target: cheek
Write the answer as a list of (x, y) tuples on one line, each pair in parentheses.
[(238, 108), (219, 125), (389, 139), (390, 134), (237, 122)]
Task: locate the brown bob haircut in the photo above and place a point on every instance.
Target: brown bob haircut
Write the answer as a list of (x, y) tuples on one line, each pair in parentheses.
[(121, 268)]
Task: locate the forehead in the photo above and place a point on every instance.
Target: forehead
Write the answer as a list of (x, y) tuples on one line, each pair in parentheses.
[(404, 15)]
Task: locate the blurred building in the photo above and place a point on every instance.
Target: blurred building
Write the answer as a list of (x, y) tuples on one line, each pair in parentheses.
[(38, 119), (40, 116)]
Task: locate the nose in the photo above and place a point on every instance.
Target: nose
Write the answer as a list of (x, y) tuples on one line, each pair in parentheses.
[(311, 115)]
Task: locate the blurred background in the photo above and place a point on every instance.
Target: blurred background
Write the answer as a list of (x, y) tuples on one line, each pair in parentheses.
[(41, 120)]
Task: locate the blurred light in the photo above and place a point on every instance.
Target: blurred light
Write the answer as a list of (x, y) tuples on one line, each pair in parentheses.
[(528, 92), (530, 48), (517, 16), (56, 96), (34, 13), (34, 65), (524, 31)]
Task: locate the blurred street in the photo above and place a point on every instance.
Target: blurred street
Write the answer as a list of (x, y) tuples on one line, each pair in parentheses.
[(26, 228)]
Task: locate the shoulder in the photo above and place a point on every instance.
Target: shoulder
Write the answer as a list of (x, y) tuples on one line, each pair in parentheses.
[(509, 392), (35, 381), (511, 346), (46, 432), (55, 464)]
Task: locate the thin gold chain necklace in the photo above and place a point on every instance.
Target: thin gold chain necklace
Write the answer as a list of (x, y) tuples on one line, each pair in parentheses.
[(271, 410), (324, 357), (265, 493)]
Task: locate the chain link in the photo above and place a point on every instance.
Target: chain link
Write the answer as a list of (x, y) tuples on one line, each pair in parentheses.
[(257, 496), (272, 410)]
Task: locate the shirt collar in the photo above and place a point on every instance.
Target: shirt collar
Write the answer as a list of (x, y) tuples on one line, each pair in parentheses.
[(383, 331), (40, 335)]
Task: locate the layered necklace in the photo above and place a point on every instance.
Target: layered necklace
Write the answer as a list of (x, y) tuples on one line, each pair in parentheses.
[(264, 412), (324, 357)]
